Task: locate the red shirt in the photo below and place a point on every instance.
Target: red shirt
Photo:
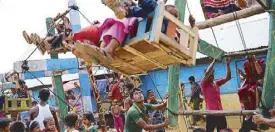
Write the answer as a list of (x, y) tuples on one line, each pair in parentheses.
[(211, 93), (116, 93)]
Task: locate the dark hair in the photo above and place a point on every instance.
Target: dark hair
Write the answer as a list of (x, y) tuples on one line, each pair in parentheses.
[(148, 92), (21, 82), (71, 119), (129, 85), (89, 116), (44, 94), (34, 103), (191, 78), (32, 124), (170, 6), (181, 84), (17, 127), (70, 92), (4, 122), (45, 121), (134, 90)]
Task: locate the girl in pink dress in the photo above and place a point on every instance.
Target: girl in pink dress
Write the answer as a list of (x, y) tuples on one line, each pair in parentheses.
[(105, 38)]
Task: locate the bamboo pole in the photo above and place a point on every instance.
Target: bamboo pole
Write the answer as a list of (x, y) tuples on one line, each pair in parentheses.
[(220, 112), (251, 11)]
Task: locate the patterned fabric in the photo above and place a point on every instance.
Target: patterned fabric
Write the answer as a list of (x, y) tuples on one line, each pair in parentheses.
[(218, 3), (157, 117)]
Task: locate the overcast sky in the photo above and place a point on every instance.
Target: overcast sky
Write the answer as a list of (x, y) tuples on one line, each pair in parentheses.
[(29, 15)]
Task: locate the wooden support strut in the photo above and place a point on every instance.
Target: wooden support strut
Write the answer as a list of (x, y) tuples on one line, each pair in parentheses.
[(97, 98), (254, 10), (220, 112)]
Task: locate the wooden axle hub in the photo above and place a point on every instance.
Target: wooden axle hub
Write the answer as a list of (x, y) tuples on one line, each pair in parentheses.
[(149, 50)]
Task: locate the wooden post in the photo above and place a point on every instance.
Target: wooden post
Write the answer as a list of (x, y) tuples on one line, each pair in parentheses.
[(269, 83), (173, 76), (97, 98), (58, 84)]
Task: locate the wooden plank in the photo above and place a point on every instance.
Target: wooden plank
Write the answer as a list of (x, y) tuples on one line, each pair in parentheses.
[(129, 64), (194, 47), (219, 112), (172, 54), (137, 39), (178, 23), (210, 50), (184, 39), (142, 27), (137, 53), (157, 23), (254, 10), (170, 42), (171, 29)]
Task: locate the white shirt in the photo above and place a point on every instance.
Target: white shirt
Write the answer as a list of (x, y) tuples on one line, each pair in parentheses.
[(44, 112)]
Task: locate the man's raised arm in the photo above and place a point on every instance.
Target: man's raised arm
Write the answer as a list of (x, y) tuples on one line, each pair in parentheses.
[(209, 69), (141, 123), (228, 71)]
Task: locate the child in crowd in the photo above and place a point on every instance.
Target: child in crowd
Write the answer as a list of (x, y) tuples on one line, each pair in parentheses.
[(88, 121), (49, 125), (71, 122), (33, 126), (116, 110), (4, 124), (127, 9), (18, 127)]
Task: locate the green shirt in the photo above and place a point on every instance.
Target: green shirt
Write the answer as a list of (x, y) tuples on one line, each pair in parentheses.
[(135, 114)]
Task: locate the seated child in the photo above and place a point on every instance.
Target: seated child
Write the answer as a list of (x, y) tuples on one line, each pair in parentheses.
[(52, 41), (104, 38), (88, 121), (49, 125), (33, 126), (71, 122), (127, 9), (4, 124)]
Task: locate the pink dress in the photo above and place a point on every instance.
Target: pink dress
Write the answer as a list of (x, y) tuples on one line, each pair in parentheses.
[(117, 29)]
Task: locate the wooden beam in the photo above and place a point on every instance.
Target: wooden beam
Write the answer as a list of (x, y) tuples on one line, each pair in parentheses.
[(173, 43), (210, 50), (269, 83), (254, 10), (220, 112), (137, 53)]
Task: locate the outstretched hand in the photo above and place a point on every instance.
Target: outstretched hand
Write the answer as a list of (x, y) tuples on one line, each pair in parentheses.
[(228, 60), (192, 21)]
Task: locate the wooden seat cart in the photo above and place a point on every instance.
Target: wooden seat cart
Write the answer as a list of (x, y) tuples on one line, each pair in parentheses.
[(152, 49)]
